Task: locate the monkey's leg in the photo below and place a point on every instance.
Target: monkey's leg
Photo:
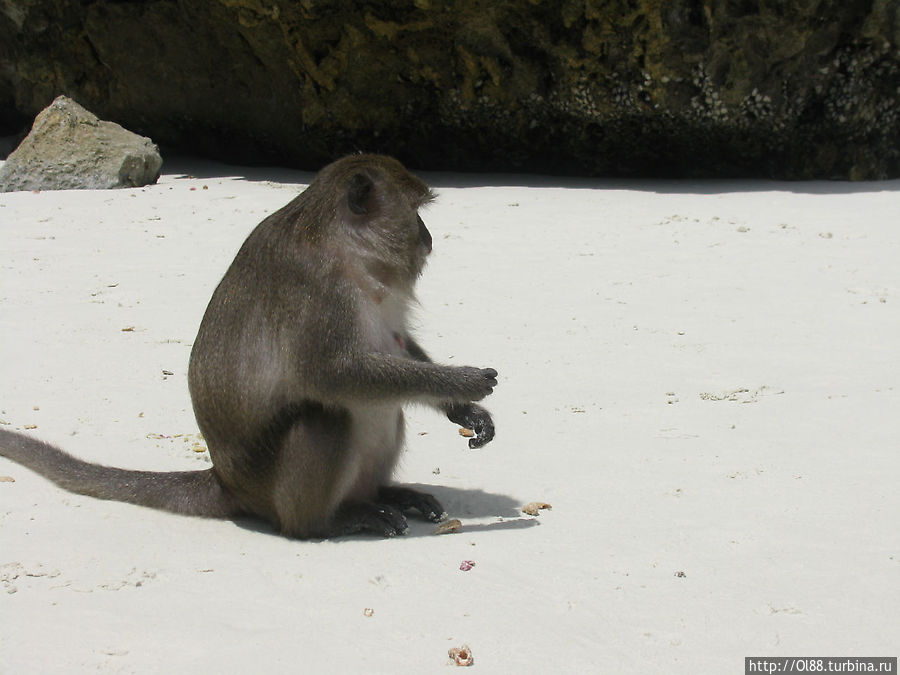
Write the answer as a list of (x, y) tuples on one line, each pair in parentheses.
[(407, 498), (316, 470)]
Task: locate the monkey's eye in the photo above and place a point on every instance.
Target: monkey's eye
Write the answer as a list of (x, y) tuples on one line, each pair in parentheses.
[(424, 234)]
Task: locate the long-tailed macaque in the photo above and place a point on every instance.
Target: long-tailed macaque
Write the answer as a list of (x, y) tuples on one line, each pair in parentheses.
[(301, 367)]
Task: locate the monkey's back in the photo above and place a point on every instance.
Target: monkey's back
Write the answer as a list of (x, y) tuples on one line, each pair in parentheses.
[(256, 364)]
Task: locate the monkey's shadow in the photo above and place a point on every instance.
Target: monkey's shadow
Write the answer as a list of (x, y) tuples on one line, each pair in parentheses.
[(459, 503)]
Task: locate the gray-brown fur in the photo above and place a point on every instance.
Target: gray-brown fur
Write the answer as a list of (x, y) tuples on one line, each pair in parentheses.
[(301, 367)]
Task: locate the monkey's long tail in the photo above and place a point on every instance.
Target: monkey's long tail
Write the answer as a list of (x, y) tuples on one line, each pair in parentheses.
[(193, 493)]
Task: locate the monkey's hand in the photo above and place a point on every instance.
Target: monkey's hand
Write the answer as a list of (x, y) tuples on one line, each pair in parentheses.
[(474, 417), (475, 383)]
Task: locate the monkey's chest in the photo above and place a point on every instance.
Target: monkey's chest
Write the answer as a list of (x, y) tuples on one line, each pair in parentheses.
[(383, 325), (386, 339)]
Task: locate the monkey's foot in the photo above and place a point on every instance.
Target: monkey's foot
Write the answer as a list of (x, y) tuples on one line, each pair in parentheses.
[(407, 498), (358, 517)]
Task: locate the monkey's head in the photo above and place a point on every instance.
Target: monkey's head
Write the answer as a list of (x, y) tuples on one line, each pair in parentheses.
[(376, 202)]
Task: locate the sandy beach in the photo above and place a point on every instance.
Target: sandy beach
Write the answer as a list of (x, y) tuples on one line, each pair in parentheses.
[(701, 378)]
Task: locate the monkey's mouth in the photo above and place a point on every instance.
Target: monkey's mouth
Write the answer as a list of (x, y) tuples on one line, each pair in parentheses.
[(424, 235)]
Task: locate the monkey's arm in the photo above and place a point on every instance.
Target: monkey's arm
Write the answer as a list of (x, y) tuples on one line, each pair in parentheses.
[(415, 350), (385, 376), (468, 415)]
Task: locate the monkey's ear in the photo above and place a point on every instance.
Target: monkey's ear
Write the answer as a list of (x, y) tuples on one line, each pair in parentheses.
[(359, 193)]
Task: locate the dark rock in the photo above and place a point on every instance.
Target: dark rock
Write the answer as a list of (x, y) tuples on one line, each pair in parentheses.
[(805, 89), (7, 144), (69, 149)]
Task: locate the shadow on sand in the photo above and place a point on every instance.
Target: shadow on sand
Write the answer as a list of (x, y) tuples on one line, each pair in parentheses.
[(192, 167), (460, 503)]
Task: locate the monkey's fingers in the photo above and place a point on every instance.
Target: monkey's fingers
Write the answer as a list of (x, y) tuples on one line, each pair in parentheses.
[(403, 498), (482, 437), (476, 418), (381, 519), (477, 382)]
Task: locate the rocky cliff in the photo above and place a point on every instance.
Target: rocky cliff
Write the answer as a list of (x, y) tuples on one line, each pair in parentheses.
[(803, 89)]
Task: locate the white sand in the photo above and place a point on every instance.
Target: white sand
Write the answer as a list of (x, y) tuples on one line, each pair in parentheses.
[(701, 378)]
